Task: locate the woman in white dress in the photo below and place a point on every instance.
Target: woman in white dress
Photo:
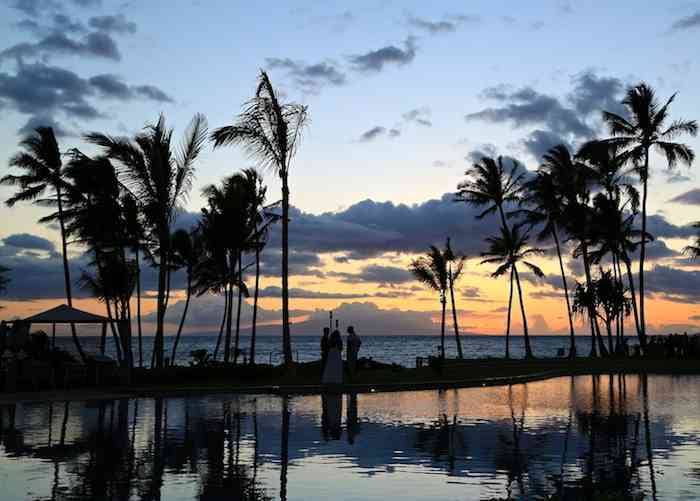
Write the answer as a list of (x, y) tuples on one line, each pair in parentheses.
[(333, 373)]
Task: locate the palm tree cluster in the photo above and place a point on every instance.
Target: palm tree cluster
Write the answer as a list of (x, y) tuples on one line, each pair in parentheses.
[(121, 204), (589, 201)]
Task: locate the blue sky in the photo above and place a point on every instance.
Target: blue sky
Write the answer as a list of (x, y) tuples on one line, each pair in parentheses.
[(401, 94)]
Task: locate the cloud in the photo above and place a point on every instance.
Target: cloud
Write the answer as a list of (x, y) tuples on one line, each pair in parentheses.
[(687, 23), (660, 227), (153, 93), (421, 116), (96, 44), (34, 8), (485, 150), (109, 85), (376, 60), (377, 132), (273, 291), (375, 273), (448, 24), (45, 121), (673, 284), (538, 142), (691, 197), (28, 241), (677, 177), (309, 77), (113, 24)]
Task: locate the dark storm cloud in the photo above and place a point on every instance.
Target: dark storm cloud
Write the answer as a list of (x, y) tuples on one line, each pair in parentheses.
[(448, 24), (421, 116), (691, 197), (377, 132), (94, 44), (686, 23), (113, 24), (28, 241), (309, 77), (376, 60)]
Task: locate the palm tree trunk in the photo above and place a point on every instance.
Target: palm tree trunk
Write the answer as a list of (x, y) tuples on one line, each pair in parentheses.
[(443, 303), (591, 314), (286, 333), (115, 335), (182, 319), (510, 307), (138, 307), (630, 278), (66, 270), (460, 354), (255, 306), (223, 322), (528, 348), (238, 307), (642, 253), (608, 323), (572, 338), (227, 338), (157, 359)]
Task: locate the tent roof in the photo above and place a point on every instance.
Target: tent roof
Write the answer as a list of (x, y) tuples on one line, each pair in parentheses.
[(64, 314)]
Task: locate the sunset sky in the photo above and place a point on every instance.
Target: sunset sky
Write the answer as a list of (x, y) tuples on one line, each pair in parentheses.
[(403, 97)]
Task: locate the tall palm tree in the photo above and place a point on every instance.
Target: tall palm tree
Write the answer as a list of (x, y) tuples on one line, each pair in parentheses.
[(43, 175), (269, 130), (160, 177), (454, 273), (431, 270), (646, 128), (136, 238), (693, 250), (543, 201), (489, 184), (185, 247), (507, 250)]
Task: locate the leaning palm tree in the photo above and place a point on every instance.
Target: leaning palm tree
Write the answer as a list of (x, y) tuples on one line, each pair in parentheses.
[(647, 128), (269, 130), (489, 184), (431, 270), (160, 178), (454, 273), (693, 250), (543, 209), (185, 256), (507, 250), (44, 175)]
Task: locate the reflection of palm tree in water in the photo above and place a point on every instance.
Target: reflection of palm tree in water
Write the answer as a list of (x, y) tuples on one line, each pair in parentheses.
[(351, 421), (284, 453)]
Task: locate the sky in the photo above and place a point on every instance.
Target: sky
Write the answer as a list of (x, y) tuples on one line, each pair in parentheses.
[(403, 97)]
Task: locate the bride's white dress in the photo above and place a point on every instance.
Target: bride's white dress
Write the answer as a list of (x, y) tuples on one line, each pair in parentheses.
[(333, 372)]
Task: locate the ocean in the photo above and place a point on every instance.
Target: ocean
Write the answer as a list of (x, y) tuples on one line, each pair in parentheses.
[(398, 349)]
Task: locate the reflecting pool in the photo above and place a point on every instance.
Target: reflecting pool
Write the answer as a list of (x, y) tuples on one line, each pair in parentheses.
[(569, 438)]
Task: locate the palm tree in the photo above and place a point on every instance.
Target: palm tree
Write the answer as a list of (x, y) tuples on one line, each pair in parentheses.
[(491, 185), (431, 270), (269, 130), (543, 201), (453, 276), (43, 172), (507, 250), (160, 179), (693, 250), (647, 128), (136, 238), (186, 252)]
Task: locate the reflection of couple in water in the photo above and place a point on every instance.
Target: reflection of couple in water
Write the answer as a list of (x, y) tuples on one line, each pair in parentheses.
[(331, 416), (331, 355)]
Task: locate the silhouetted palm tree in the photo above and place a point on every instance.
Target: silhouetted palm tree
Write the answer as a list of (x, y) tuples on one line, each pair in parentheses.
[(693, 250), (507, 250), (269, 131), (185, 248), (490, 184), (431, 270), (160, 179), (454, 273), (137, 238), (647, 128), (544, 202), (43, 172)]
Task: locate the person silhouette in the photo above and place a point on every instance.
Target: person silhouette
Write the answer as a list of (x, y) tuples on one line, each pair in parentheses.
[(333, 371), (354, 343), (324, 348)]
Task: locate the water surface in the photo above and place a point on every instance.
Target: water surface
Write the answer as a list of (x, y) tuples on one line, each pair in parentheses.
[(573, 436)]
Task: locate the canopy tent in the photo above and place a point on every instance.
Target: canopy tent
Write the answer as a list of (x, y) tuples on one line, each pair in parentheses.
[(64, 314)]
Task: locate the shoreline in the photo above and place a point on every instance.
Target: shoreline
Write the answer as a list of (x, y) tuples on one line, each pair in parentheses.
[(460, 374)]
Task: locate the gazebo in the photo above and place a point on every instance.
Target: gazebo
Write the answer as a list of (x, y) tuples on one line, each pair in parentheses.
[(64, 314)]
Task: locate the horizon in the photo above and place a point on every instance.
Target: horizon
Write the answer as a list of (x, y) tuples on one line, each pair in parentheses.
[(370, 190)]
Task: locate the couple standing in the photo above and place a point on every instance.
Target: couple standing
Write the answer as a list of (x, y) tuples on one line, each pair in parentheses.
[(331, 358)]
